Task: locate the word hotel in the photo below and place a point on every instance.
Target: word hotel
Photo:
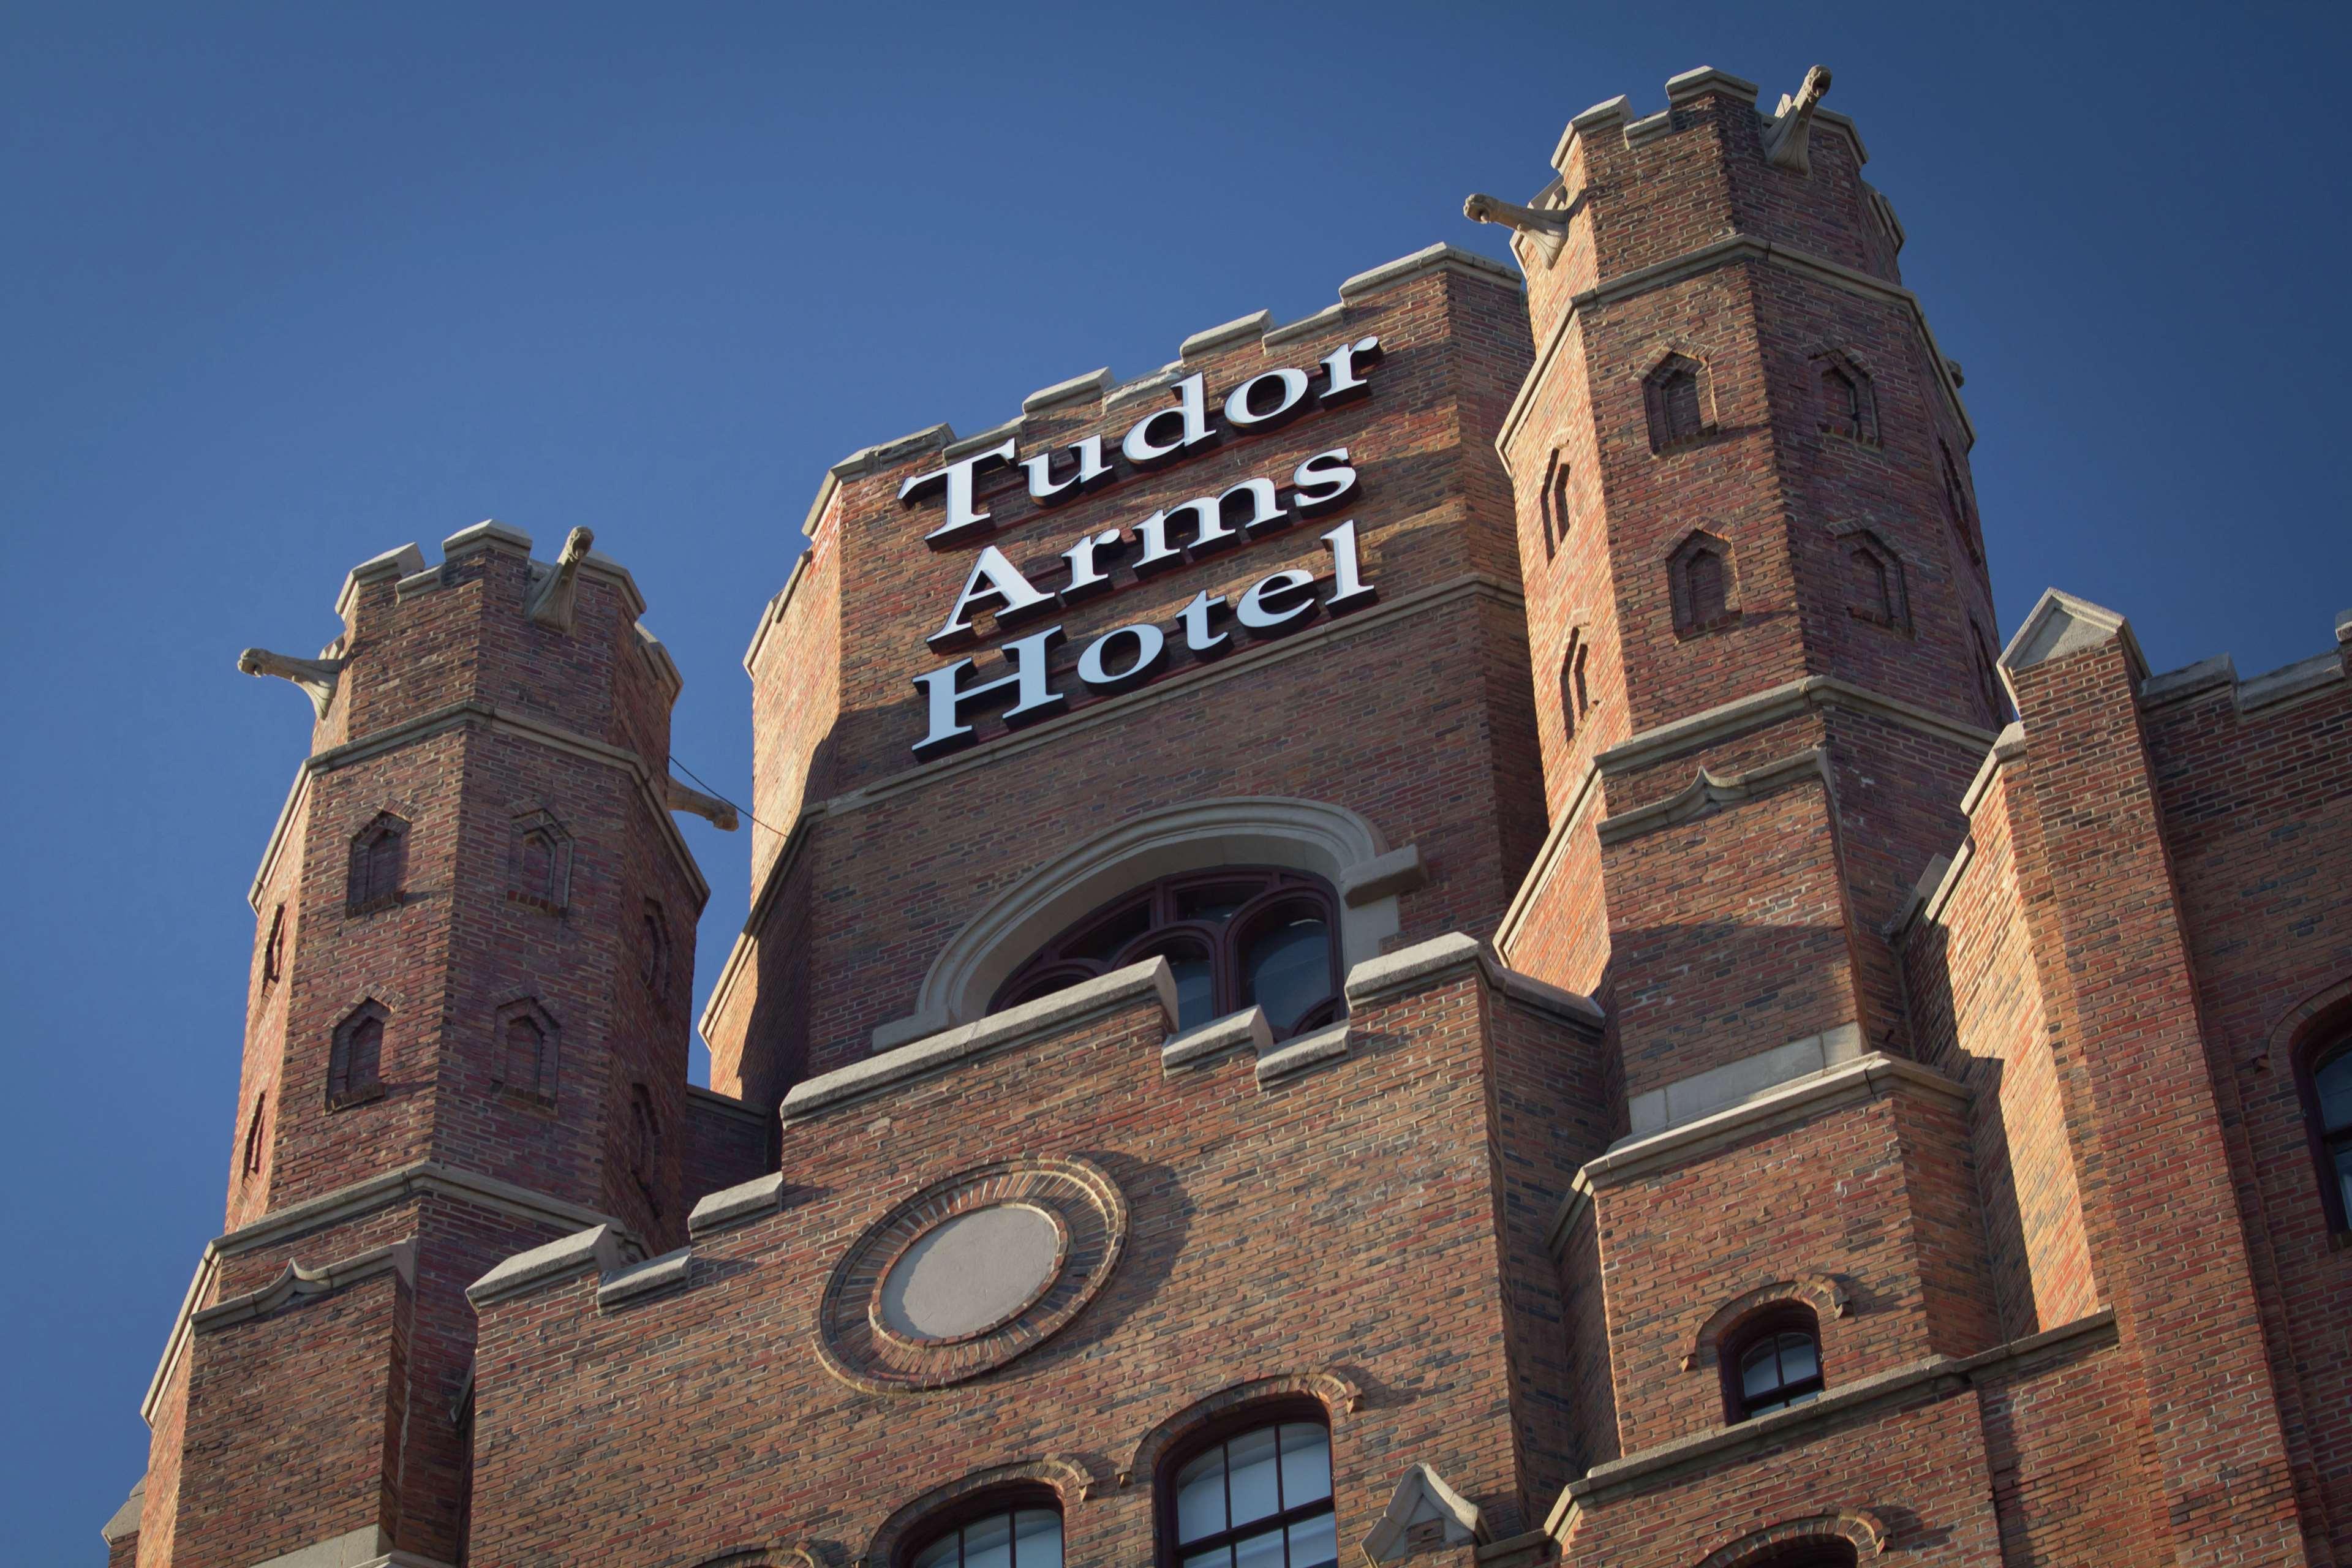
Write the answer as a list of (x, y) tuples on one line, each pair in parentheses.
[(1445, 934)]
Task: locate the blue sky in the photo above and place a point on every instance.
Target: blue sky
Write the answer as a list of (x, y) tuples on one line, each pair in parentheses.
[(287, 287)]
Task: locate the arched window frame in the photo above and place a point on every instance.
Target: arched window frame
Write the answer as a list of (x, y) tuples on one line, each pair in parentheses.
[(1223, 1427), (1556, 510), (379, 866), (956, 1517), (1768, 1322), (534, 1080), (539, 862), (1849, 397), (255, 1145), (2325, 1048), (1678, 396), (1890, 604), (1959, 507), (644, 1149), (273, 948), (1575, 684), (1692, 615), (355, 1055), (1278, 890)]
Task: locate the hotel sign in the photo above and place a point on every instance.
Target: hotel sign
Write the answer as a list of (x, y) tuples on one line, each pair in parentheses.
[(1128, 656)]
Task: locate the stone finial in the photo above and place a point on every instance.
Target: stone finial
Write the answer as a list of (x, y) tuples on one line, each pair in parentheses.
[(1784, 145), (315, 676), (721, 814), (553, 596), (1423, 1504), (1548, 229)]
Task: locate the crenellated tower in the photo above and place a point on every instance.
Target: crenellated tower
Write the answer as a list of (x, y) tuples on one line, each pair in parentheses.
[(466, 1036)]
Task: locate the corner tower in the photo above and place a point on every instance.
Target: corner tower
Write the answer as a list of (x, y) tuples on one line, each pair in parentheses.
[(466, 1035), (1761, 627)]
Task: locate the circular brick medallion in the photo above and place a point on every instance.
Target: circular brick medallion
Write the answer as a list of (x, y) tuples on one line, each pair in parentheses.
[(970, 1272)]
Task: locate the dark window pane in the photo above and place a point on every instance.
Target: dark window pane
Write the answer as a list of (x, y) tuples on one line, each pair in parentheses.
[(1212, 906), (1215, 1557), (1104, 940), (1250, 1476), (1305, 1465), (939, 1553), (1036, 1539), (1287, 969), (1314, 1542), (988, 1542), (1201, 1495), (1263, 1550), (2344, 1173), (2334, 1081)]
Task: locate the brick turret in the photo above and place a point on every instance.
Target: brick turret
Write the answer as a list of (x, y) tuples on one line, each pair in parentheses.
[(467, 1036)]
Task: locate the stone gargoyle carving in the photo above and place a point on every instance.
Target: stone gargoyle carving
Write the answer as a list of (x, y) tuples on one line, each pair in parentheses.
[(720, 813), (317, 677), (1784, 145), (1548, 229), (552, 598)]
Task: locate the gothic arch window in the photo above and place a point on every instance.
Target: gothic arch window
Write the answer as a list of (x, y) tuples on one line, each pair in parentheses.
[(1556, 515), (539, 862), (1575, 684), (528, 1045), (1006, 1528), (645, 1145), (653, 956), (1849, 399), (1989, 687), (1875, 590), (254, 1146), (2323, 1076), (1771, 1361), (1958, 510), (1678, 396), (355, 1059), (379, 866), (1235, 937), (273, 947), (1252, 1490), (1705, 594)]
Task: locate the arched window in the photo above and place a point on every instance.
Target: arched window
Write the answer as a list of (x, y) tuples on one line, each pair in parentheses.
[(1699, 579), (1771, 1362), (1875, 590), (1025, 1535), (539, 862), (1236, 936), (1989, 687), (379, 864), (1955, 504), (1255, 1493), (1849, 402), (2328, 1106), (1575, 694), (1555, 515), (528, 1057), (356, 1059), (1675, 394), (273, 947), (653, 962), (253, 1143), (645, 1145)]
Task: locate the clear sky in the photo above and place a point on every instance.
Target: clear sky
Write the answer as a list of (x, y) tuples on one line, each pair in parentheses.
[(283, 287)]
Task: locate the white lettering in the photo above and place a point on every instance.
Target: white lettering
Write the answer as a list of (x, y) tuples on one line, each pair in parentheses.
[(1086, 579), (1348, 589), (1046, 491), (992, 578), (1262, 609), (1323, 481), (963, 515), (1199, 640), (1190, 413), (946, 700), (1339, 365), (1150, 652), (1240, 410)]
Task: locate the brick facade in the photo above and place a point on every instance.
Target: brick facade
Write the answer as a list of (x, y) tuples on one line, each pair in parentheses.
[(1727, 947)]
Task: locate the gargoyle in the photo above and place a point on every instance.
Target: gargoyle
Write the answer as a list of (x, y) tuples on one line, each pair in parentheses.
[(1784, 145), (1548, 229), (552, 598), (316, 677), (680, 798)]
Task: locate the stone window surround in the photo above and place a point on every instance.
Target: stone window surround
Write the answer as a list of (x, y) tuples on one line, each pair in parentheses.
[(1326, 840)]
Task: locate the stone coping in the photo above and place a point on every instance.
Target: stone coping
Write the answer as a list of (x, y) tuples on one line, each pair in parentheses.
[(398, 1257), (639, 1279), (601, 1248), (1787, 1104), (754, 1199), (1411, 968), (1934, 1375), (983, 1036), (123, 1523)]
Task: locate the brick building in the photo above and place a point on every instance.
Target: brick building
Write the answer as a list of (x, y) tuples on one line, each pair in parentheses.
[(1434, 931)]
